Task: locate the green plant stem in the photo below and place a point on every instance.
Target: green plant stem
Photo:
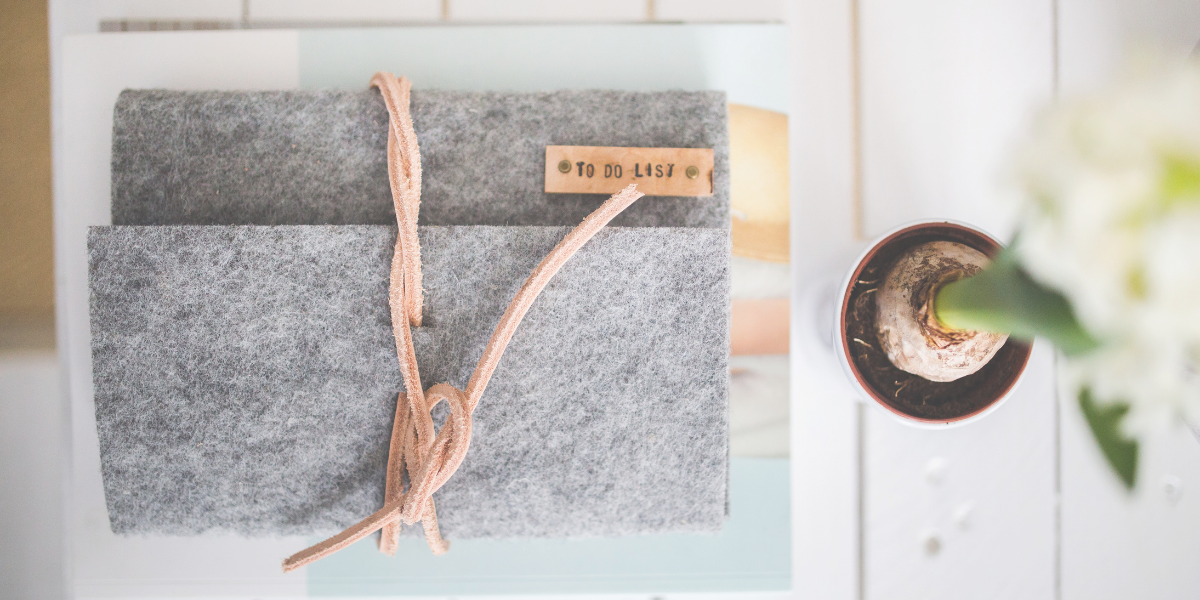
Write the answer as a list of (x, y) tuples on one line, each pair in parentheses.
[(1003, 298)]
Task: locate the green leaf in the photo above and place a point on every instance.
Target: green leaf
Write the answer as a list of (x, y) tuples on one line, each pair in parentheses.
[(1105, 421), (1181, 181), (1003, 298)]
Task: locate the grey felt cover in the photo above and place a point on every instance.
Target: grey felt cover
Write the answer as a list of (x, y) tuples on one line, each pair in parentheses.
[(245, 378), (318, 157)]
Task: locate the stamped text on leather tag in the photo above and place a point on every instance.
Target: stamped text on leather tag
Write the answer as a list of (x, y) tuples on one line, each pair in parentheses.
[(608, 170)]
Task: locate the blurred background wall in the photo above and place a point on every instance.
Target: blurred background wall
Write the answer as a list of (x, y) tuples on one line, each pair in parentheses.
[(26, 244)]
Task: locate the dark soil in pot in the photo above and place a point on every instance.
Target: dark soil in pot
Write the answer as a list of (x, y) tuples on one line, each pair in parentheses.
[(902, 392)]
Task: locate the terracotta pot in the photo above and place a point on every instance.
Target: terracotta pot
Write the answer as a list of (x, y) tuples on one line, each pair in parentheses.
[(912, 399)]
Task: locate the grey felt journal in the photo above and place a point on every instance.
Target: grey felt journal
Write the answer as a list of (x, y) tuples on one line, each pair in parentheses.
[(246, 375)]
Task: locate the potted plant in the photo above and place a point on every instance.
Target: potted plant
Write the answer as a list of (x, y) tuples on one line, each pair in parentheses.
[(1105, 265), (893, 348)]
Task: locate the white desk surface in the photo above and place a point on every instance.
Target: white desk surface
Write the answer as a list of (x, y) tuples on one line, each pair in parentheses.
[(1020, 503), (902, 111)]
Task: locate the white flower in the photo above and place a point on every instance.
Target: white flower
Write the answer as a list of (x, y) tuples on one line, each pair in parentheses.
[(1111, 218)]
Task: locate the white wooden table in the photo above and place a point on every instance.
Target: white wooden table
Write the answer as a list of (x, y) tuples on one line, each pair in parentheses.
[(904, 111)]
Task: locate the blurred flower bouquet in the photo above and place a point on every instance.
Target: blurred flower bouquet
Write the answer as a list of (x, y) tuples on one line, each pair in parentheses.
[(1106, 262)]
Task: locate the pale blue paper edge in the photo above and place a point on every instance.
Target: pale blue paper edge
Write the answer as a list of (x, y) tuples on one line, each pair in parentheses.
[(747, 61), (751, 553)]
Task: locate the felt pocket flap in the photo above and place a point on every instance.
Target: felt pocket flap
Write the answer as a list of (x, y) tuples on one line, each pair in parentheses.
[(246, 378)]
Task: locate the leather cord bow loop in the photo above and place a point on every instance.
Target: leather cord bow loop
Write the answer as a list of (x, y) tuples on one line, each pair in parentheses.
[(432, 469)]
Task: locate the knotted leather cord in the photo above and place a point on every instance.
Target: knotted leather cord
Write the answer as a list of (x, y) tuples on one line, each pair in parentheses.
[(430, 460), (405, 299)]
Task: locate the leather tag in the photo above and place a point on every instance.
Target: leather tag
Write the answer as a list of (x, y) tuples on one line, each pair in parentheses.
[(608, 170)]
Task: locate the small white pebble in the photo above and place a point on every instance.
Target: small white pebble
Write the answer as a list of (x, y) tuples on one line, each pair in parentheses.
[(1173, 488), (935, 470), (931, 543), (962, 515)]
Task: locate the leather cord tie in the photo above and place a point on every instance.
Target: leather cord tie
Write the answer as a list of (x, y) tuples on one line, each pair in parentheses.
[(430, 458)]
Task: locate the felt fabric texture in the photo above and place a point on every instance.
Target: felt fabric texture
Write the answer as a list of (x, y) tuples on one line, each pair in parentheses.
[(319, 157), (246, 378)]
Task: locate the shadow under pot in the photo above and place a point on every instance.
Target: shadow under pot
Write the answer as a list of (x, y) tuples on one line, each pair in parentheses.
[(885, 318)]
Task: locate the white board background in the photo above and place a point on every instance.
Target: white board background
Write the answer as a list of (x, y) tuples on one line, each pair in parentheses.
[(903, 111)]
